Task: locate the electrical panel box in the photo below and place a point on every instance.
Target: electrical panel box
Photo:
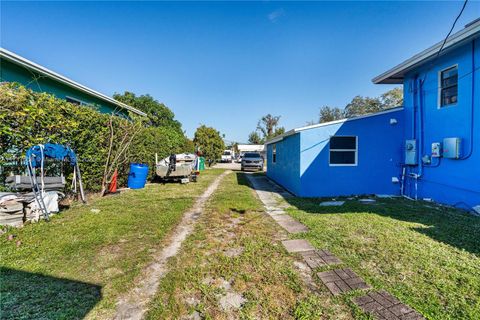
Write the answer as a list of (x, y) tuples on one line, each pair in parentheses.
[(451, 148), (436, 150), (411, 152)]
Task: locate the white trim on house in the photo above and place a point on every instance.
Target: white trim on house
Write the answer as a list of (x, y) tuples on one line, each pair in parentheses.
[(296, 130), (4, 53), (330, 164), (396, 74)]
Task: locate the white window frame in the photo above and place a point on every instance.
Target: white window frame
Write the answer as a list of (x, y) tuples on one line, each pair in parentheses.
[(343, 164), (81, 103), (439, 93), (274, 153)]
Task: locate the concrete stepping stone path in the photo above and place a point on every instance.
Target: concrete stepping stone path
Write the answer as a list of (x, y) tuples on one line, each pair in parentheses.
[(383, 306), (319, 258), (379, 304), (289, 224), (297, 245), (340, 281), (270, 194)]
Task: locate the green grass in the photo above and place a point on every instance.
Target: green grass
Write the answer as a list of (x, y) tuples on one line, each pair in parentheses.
[(77, 264), (263, 273), (426, 255)]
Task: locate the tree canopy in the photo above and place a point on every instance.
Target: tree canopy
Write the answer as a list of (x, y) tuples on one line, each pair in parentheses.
[(267, 128), (209, 141), (362, 105), (158, 114), (254, 138)]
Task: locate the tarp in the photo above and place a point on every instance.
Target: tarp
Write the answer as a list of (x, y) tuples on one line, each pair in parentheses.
[(50, 150)]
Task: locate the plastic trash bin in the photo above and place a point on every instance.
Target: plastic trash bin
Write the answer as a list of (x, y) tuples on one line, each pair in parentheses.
[(137, 176)]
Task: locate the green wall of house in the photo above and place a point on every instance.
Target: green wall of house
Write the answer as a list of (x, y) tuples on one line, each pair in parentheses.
[(11, 72)]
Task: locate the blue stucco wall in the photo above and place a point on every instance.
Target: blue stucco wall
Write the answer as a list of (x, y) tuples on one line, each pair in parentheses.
[(379, 158), (303, 159), (454, 182), (286, 170)]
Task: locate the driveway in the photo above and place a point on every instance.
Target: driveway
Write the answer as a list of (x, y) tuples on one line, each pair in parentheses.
[(229, 166)]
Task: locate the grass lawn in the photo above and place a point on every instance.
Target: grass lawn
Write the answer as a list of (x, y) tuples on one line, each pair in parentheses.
[(426, 255), (233, 251), (76, 265)]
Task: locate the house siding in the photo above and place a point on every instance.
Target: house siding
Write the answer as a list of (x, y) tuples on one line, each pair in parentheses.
[(286, 170), (11, 72), (449, 181), (379, 158), (303, 159)]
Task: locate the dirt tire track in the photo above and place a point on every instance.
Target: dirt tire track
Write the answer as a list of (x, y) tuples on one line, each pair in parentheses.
[(133, 304)]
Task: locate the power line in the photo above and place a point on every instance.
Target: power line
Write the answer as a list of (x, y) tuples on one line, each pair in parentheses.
[(445, 40), (453, 26)]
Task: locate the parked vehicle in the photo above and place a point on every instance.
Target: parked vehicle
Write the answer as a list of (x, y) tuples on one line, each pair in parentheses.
[(252, 160), (227, 156)]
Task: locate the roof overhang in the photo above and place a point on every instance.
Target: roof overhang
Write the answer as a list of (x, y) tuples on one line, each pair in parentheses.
[(12, 57), (325, 124), (396, 74)]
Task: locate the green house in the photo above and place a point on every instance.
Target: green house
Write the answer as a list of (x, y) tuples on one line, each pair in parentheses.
[(14, 68)]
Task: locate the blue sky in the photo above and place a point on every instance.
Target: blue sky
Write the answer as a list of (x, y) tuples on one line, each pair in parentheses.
[(226, 64)]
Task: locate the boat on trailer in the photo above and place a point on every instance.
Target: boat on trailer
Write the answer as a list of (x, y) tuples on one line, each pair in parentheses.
[(177, 167)]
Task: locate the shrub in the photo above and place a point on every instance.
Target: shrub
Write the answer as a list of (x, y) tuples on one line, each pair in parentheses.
[(28, 118)]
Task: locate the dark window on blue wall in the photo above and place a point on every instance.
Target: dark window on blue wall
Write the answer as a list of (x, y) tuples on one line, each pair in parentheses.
[(448, 86), (343, 151), (274, 153)]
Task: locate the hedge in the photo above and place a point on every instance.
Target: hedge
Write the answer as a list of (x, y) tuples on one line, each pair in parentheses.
[(28, 118)]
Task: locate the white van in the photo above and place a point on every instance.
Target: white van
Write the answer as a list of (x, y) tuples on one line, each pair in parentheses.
[(228, 156)]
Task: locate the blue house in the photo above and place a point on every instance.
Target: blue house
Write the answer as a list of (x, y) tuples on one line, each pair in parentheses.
[(442, 119), (360, 155), (430, 148)]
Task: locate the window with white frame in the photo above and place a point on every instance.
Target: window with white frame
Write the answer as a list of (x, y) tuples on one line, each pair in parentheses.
[(73, 100), (77, 101), (343, 151), (274, 153), (448, 89)]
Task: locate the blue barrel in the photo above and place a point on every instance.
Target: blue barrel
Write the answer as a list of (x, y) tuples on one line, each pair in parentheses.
[(137, 176)]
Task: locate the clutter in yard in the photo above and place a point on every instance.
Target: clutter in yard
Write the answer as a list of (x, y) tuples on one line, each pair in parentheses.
[(183, 167), (36, 195)]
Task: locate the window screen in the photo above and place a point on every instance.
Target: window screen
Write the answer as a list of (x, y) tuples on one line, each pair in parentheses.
[(343, 151), (449, 86)]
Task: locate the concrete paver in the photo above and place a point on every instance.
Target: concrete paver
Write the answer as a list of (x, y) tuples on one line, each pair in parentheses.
[(383, 306), (270, 194), (339, 281), (318, 258), (289, 224), (297, 245)]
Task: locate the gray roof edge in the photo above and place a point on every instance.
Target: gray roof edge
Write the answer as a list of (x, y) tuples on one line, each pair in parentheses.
[(471, 30), (4, 53)]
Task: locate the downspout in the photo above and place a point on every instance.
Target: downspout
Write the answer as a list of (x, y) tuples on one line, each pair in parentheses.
[(472, 121)]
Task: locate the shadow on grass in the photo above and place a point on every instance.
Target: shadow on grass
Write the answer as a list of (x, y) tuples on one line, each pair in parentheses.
[(444, 224), (26, 295)]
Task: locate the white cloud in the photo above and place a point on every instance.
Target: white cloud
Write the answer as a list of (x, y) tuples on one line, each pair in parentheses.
[(276, 14)]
